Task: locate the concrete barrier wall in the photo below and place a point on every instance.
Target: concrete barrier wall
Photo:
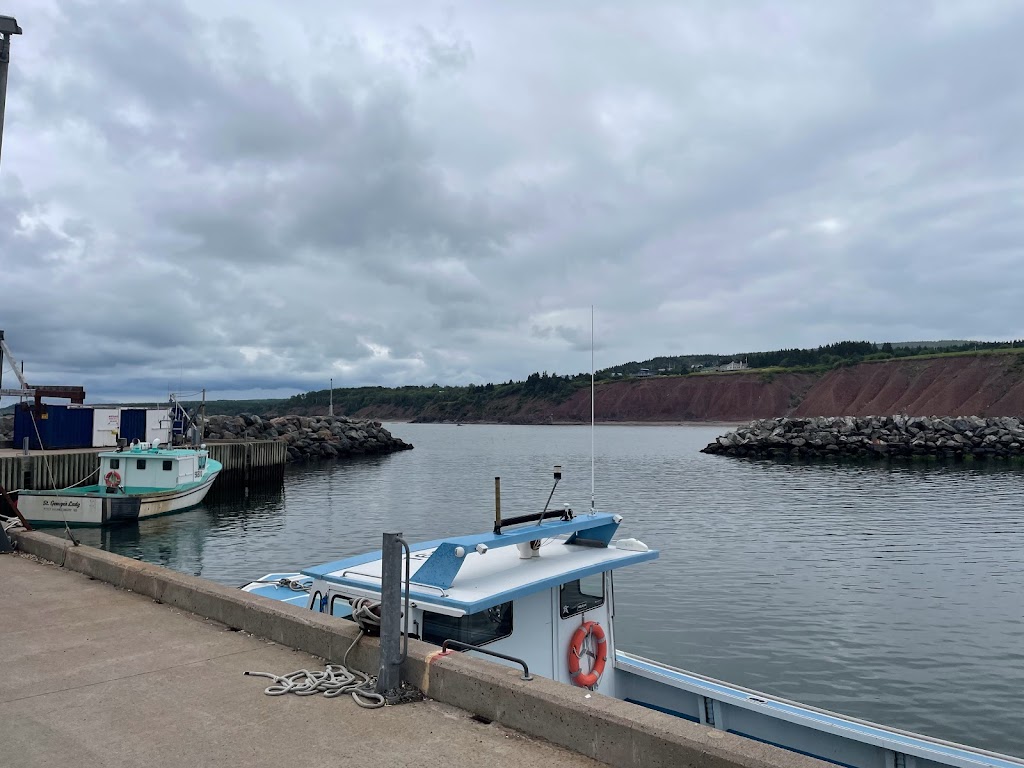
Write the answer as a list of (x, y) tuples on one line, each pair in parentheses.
[(600, 727)]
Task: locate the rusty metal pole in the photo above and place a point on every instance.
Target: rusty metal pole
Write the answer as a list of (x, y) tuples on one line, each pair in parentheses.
[(8, 27)]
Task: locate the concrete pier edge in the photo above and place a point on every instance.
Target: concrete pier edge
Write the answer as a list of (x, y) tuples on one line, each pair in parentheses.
[(606, 729)]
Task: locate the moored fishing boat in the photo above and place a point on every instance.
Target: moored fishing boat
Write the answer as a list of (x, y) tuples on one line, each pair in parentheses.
[(541, 588), (138, 481)]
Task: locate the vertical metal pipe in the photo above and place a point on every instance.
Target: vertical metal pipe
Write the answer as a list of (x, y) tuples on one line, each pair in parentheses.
[(5, 58), (497, 505), (389, 679)]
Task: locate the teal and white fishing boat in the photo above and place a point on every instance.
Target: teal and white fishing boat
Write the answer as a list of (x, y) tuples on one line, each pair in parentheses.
[(541, 588), (137, 481)]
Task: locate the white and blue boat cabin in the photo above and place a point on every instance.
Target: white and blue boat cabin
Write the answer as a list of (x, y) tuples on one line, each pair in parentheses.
[(544, 593)]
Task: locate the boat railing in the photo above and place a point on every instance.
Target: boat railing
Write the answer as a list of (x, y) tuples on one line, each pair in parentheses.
[(376, 577), (447, 645), (821, 720)]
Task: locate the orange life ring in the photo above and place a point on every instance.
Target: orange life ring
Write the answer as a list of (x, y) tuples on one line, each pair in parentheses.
[(579, 638), (112, 479)]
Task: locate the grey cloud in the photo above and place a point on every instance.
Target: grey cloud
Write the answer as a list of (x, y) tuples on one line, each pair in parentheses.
[(407, 193)]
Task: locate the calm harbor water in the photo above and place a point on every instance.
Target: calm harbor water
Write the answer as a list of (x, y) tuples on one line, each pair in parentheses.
[(894, 594)]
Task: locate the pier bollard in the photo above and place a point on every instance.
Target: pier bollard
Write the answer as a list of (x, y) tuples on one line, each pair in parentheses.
[(389, 679)]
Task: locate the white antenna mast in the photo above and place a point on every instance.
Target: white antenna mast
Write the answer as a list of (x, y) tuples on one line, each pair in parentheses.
[(592, 409)]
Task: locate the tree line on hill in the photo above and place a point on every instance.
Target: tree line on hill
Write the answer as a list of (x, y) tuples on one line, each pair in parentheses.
[(823, 357), (557, 388)]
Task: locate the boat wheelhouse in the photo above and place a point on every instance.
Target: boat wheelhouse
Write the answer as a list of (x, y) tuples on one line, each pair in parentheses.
[(543, 591)]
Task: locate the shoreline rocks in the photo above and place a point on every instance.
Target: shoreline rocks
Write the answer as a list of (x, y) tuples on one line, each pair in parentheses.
[(875, 437), (309, 437)]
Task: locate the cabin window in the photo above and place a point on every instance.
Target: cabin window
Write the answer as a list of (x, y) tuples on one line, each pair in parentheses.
[(168, 465), (140, 464), (475, 629), (581, 595), (115, 463)]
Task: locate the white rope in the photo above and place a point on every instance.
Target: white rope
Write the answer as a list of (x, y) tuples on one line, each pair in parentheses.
[(293, 584), (46, 459), (53, 481), (336, 679), (95, 471), (365, 612)]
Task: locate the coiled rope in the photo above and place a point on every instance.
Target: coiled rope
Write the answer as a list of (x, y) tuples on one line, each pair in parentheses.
[(296, 585), (336, 679)]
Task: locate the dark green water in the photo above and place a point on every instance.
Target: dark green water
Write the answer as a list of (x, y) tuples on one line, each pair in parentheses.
[(894, 594)]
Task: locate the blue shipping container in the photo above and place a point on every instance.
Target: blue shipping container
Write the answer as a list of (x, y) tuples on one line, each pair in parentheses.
[(58, 427), (133, 424)]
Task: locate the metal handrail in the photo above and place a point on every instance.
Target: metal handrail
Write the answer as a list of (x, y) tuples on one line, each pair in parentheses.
[(441, 590), (532, 518), (478, 649), (408, 571)]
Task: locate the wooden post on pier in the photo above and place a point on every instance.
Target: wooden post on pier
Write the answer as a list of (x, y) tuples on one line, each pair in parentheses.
[(26, 467)]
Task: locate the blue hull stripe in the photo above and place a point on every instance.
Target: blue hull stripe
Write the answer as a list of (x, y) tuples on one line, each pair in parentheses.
[(666, 710)]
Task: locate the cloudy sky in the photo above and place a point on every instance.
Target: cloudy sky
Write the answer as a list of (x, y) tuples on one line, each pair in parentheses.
[(408, 192)]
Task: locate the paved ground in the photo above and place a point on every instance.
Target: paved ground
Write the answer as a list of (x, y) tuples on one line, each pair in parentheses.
[(96, 676)]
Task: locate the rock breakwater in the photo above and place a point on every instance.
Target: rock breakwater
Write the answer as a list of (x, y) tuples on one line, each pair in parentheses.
[(949, 437), (309, 437)]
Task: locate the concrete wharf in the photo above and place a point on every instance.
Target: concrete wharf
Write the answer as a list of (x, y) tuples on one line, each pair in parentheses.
[(97, 676)]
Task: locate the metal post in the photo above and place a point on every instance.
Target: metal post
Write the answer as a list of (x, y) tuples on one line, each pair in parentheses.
[(497, 505), (389, 679), (330, 408), (8, 27), (26, 464)]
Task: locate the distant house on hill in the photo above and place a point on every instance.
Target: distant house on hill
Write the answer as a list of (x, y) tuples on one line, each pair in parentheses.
[(734, 365), (643, 373)]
